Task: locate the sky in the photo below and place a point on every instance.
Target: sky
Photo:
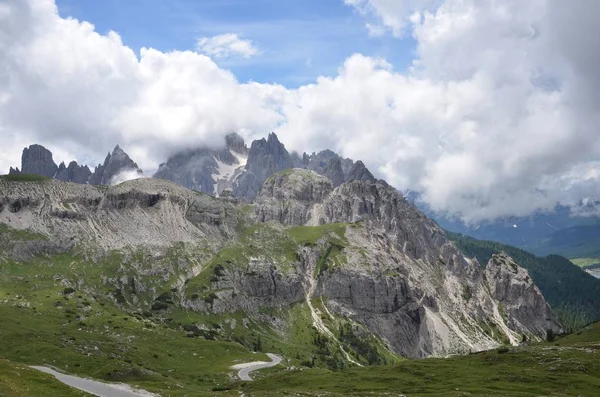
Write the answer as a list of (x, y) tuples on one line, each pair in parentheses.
[(487, 108)]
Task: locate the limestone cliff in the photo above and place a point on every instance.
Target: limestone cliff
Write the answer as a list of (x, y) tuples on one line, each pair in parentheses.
[(359, 253)]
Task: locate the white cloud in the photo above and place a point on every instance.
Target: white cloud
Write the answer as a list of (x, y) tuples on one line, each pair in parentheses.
[(126, 175), (394, 16), (226, 45), (498, 114)]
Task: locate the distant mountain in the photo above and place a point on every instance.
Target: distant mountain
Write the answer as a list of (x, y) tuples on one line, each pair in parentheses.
[(244, 170), (36, 159), (573, 242), (115, 164), (540, 233)]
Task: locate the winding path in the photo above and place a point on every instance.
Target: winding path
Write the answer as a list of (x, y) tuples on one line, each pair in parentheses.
[(246, 368), (96, 388)]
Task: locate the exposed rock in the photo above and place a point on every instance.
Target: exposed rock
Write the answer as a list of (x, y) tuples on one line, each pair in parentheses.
[(73, 173), (115, 163), (372, 257), (523, 305), (265, 157), (13, 171), (287, 196), (359, 172), (38, 160), (207, 170), (334, 171)]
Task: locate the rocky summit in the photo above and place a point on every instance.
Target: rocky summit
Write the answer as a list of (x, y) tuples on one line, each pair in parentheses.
[(357, 257), (117, 167)]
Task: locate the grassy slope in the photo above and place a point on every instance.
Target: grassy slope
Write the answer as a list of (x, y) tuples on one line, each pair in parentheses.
[(586, 262), (568, 367), (24, 178), (84, 331), (18, 380), (571, 292)]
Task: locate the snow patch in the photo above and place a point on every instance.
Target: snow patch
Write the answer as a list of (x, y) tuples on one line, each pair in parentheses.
[(226, 174)]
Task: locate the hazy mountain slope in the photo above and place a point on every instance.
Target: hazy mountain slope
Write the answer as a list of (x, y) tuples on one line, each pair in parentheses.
[(571, 292), (574, 242)]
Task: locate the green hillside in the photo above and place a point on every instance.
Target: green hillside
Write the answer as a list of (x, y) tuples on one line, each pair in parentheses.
[(573, 242), (566, 367), (572, 293)]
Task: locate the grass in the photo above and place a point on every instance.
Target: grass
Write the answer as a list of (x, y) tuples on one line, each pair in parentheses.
[(24, 178), (310, 235), (568, 367), (586, 262), (18, 380)]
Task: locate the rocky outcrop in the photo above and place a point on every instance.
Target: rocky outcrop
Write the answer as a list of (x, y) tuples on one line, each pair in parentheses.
[(361, 250), (523, 305), (265, 157), (334, 172), (359, 172), (207, 170), (73, 173), (115, 163), (36, 159), (287, 196)]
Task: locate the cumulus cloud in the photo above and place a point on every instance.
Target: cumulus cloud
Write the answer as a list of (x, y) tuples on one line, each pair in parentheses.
[(226, 45), (497, 115)]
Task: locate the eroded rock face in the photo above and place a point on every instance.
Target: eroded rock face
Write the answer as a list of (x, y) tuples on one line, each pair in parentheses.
[(265, 157), (36, 159), (523, 304), (286, 197), (359, 172), (207, 170), (115, 163), (73, 173), (383, 264)]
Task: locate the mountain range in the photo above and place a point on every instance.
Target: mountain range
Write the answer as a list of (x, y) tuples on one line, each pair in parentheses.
[(243, 170), (224, 252)]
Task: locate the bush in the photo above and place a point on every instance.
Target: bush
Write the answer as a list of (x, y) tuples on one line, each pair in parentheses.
[(503, 349), (550, 335), (68, 291)]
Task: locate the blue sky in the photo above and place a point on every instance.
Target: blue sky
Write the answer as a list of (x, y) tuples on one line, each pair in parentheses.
[(299, 40)]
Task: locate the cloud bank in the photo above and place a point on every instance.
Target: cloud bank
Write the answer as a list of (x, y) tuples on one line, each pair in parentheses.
[(497, 115)]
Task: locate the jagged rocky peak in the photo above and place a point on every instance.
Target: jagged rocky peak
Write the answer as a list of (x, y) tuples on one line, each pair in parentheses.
[(207, 170), (236, 143), (265, 157), (73, 173), (523, 303), (359, 172), (36, 159), (114, 165)]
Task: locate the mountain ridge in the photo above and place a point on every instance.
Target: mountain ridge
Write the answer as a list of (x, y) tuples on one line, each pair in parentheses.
[(299, 242)]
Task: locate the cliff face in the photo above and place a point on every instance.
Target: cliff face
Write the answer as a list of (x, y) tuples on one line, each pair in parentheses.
[(37, 160), (359, 252), (115, 163)]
